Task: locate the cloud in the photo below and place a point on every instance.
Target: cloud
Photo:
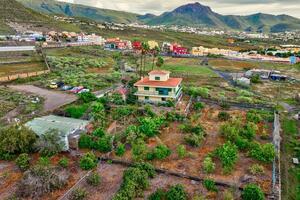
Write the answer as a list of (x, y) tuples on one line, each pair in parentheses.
[(235, 7)]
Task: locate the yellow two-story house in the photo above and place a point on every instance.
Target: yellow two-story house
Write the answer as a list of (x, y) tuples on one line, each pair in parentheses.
[(159, 87)]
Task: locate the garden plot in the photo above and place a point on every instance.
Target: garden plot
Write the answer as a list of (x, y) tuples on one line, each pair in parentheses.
[(20, 68)]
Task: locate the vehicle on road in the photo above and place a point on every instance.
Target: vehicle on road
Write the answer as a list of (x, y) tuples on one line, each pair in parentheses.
[(83, 91), (53, 85), (66, 88), (75, 90)]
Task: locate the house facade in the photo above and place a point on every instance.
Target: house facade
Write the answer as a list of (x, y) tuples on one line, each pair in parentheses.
[(158, 87)]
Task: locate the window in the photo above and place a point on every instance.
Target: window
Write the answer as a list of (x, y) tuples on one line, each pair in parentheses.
[(146, 98), (157, 78), (169, 89), (163, 99), (146, 88)]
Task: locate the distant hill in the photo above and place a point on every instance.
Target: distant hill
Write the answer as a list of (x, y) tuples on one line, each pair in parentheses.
[(13, 11), (197, 14), (76, 10), (194, 14)]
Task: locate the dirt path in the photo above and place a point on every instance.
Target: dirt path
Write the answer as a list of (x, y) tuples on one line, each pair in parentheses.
[(53, 99)]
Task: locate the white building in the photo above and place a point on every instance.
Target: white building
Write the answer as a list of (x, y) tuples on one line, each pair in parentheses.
[(91, 38)]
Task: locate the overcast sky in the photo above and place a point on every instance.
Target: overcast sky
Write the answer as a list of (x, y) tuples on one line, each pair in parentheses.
[(235, 7)]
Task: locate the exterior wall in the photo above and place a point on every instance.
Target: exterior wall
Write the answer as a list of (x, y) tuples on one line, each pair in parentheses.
[(162, 77), (153, 95)]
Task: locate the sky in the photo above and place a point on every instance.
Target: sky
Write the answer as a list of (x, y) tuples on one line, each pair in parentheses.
[(234, 7)]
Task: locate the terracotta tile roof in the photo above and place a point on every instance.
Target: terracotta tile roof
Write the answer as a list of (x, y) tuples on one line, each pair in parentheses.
[(171, 82), (159, 72)]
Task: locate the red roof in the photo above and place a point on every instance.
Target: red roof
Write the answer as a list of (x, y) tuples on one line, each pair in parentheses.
[(171, 82), (159, 72)]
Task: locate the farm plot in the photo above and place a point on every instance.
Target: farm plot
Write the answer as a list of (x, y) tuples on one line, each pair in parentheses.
[(19, 68)]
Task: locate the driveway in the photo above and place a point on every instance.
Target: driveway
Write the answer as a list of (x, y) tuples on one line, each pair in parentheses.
[(53, 99)]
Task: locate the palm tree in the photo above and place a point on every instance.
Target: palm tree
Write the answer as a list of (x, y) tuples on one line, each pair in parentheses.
[(155, 53), (145, 51)]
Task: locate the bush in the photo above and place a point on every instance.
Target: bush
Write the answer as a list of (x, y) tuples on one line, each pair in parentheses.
[(176, 192), (139, 150), (104, 144), (43, 162), (50, 143), (223, 116), (88, 161), (87, 97), (198, 106), (23, 161), (228, 154), (257, 169), (99, 132), (249, 131), (227, 195), (159, 194), (79, 194), (85, 142), (159, 152), (253, 116), (77, 111), (147, 167), (120, 150), (181, 151), (94, 179), (264, 153), (252, 192), (15, 140), (63, 162), (150, 126), (255, 79), (208, 165), (210, 185), (194, 140)]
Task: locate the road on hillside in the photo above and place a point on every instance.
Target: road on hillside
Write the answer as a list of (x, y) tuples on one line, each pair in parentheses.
[(53, 99), (17, 48)]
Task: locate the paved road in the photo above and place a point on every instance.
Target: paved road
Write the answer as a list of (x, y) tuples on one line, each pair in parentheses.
[(17, 48), (53, 99)]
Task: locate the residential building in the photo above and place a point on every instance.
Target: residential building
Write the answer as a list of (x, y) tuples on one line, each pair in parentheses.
[(152, 44), (180, 51), (159, 87), (137, 45), (91, 38)]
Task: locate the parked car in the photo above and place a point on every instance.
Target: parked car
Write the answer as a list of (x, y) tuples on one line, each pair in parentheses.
[(66, 88), (75, 90), (53, 85), (84, 91), (60, 84)]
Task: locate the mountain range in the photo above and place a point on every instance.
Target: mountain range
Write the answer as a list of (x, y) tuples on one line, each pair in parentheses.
[(194, 14)]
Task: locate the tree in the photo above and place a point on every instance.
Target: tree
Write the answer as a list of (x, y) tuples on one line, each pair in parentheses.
[(176, 192), (252, 192), (98, 113), (50, 143), (15, 140), (104, 144), (23, 161), (155, 53), (120, 150), (160, 62), (208, 165), (145, 51), (88, 161)]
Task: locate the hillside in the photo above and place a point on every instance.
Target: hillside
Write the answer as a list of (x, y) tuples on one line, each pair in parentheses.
[(75, 10), (191, 15), (12, 11), (197, 14)]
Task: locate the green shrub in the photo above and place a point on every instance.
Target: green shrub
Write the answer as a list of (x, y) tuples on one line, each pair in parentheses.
[(85, 142), (23, 161), (150, 126), (63, 162), (94, 179), (254, 116), (159, 152), (243, 99), (227, 195), (147, 167), (199, 106), (264, 153), (252, 192), (88, 161), (79, 194), (77, 111), (181, 151), (228, 155), (104, 144), (159, 194), (210, 185), (43, 161), (139, 150), (87, 97), (99, 132), (257, 169), (194, 140), (176, 192), (120, 150), (208, 165), (223, 116), (249, 131), (255, 79)]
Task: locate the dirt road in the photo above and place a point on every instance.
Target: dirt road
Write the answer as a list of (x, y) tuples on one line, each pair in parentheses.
[(53, 99)]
